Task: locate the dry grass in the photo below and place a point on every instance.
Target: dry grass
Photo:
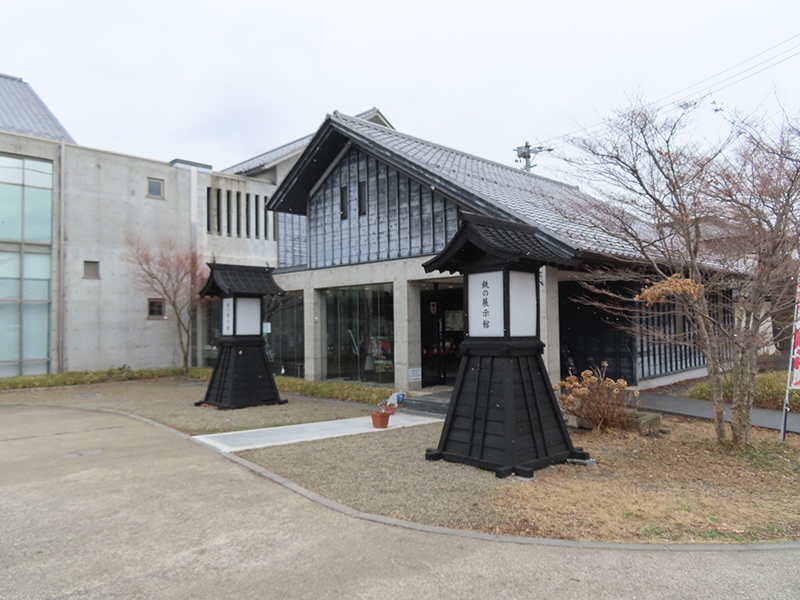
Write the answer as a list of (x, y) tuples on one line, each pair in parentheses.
[(680, 487)]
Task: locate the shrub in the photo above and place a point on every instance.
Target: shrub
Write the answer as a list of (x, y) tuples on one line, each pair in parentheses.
[(598, 401), (769, 391)]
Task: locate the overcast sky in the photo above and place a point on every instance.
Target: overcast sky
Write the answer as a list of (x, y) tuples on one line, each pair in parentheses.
[(221, 82)]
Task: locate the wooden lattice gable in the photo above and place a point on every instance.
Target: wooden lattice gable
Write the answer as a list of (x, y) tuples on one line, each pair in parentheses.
[(239, 280), (476, 184)]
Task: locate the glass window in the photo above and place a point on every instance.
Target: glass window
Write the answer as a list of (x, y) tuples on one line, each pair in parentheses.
[(155, 188), (10, 211), (36, 285), (9, 275), (38, 215), (36, 330), (155, 308), (38, 173), (91, 269), (9, 331), (10, 170), (360, 333)]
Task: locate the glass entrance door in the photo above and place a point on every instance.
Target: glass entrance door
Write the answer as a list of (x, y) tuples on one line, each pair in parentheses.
[(442, 324)]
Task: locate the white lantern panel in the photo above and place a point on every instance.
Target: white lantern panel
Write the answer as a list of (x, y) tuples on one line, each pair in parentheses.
[(227, 316), (248, 316), (522, 303), (485, 304)]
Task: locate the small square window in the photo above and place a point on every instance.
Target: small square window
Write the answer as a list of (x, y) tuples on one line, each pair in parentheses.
[(156, 308), (155, 188), (91, 269)]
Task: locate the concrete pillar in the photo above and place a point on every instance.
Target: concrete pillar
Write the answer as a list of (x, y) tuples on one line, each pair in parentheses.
[(314, 329), (550, 326), (407, 352)]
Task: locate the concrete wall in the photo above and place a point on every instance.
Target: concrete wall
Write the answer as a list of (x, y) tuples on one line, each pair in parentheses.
[(101, 197)]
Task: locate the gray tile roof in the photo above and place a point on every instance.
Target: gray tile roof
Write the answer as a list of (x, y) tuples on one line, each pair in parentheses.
[(276, 154), (240, 280), (520, 195), (22, 111)]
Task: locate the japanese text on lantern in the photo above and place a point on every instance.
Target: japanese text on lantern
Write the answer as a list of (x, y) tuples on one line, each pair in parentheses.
[(485, 304)]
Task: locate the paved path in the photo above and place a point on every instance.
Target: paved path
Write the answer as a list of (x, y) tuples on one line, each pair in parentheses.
[(689, 407), (99, 505), (236, 441)]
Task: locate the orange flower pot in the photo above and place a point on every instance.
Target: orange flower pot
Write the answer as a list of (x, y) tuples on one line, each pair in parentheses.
[(380, 420)]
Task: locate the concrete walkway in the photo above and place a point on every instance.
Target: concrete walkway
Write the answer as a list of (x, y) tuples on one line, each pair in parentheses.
[(236, 441), (99, 505), (689, 407)]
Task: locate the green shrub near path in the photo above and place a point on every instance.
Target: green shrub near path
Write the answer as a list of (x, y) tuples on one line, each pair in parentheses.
[(334, 390), (770, 391)]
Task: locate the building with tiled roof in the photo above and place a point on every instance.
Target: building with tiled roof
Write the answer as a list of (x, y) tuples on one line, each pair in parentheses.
[(365, 206)]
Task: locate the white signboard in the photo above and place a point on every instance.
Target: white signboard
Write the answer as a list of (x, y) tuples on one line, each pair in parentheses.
[(522, 303), (227, 316), (415, 374), (485, 304), (248, 316)]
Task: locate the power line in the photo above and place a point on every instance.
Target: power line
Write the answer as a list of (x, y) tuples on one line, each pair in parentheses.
[(712, 88), (739, 64)]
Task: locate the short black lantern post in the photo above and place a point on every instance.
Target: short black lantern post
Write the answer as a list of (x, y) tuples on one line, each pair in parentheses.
[(242, 376), (503, 414)]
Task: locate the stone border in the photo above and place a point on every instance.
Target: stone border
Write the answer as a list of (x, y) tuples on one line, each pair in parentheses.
[(507, 539)]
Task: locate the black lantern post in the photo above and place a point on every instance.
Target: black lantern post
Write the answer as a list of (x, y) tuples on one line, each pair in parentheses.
[(503, 414), (242, 375)]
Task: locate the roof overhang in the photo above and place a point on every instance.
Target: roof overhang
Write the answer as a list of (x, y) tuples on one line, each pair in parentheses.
[(483, 241), (240, 281)]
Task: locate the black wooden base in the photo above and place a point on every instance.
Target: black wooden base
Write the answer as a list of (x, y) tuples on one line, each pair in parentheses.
[(503, 415), (242, 376)]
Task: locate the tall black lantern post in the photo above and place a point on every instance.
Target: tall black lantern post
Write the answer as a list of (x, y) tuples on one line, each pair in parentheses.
[(503, 414), (242, 375)]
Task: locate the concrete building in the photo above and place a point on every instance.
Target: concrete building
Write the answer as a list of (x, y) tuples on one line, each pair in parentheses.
[(68, 297)]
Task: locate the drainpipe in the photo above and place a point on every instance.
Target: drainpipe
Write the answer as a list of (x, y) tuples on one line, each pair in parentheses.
[(62, 288), (198, 350)]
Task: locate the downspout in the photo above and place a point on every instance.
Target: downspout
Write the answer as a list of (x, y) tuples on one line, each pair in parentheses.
[(198, 350), (62, 288)]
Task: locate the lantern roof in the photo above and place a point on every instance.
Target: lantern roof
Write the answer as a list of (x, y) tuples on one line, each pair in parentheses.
[(240, 280), (484, 240)]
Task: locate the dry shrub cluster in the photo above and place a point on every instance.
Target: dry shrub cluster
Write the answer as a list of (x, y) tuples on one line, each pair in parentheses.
[(598, 401)]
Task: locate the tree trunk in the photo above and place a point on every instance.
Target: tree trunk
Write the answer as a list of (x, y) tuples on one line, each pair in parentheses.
[(744, 377), (709, 345)]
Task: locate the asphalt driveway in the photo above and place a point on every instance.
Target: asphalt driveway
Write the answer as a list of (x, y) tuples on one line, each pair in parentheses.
[(100, 505)]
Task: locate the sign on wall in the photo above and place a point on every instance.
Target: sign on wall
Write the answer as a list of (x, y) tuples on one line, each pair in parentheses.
[(485, 304)]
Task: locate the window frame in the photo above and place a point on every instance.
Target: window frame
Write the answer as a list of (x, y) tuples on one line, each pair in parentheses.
[(160, 182), (162, 314), (85, 273)]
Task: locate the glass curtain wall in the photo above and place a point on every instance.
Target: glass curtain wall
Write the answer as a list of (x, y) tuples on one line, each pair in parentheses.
[(360, 333), (26, 217), (285, 334)]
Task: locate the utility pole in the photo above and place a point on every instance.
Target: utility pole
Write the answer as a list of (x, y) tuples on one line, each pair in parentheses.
[(528, 153)]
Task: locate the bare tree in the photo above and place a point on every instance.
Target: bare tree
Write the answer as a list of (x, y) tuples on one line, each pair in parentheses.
[(174, 273), (705, 221)]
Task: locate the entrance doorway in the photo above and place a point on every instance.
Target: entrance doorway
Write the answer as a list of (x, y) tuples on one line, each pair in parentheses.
[(442, 324)]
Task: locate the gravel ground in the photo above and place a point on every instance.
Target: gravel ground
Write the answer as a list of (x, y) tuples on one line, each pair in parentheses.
[(171, 401), (387, 474)]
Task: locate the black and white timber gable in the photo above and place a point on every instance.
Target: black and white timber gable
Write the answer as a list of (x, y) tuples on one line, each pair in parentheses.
[(413, 190)]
